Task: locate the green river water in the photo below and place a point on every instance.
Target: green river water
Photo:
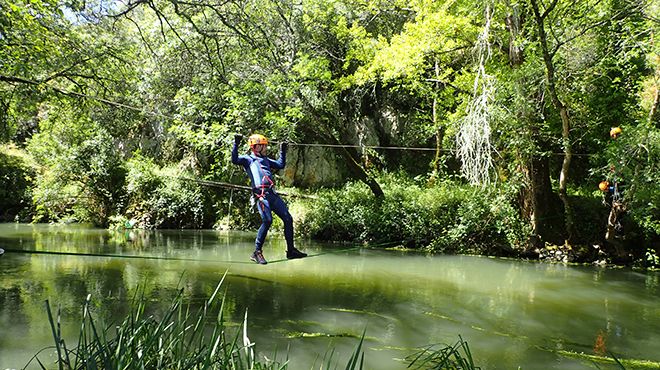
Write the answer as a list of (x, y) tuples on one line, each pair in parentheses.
[(513, 314)]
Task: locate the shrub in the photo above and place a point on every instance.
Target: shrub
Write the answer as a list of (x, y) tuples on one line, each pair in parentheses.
[(163, 197), (447, 217), (82, 172), (16, 177)]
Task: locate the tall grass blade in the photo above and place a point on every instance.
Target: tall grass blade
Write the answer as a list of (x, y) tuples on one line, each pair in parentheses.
[(327, 359), (217, 288), (249, 351), (59, 334), (457, 356), (358, 354), (40, 364), (617, 361), (55, 337)]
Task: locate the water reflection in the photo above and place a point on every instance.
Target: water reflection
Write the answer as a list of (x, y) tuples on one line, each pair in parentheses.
[(512, 313)]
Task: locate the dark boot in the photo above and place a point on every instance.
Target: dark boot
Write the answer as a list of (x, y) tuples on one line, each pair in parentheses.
[(294, 253)]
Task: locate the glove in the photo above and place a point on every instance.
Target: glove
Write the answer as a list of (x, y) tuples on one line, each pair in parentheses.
[(284, 146), (238, 138)]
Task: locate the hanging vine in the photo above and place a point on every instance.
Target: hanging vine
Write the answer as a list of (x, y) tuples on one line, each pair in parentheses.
[(473, 140)]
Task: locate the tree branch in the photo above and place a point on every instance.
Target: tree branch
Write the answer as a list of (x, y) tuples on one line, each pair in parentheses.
[(13, 79), (549, 8), (130, 7)]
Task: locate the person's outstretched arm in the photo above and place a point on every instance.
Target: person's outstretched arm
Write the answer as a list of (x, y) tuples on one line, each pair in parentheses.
[(235, 158), (281, 161)]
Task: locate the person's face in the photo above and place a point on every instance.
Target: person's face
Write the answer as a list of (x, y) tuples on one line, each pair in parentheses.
[(261, 149)]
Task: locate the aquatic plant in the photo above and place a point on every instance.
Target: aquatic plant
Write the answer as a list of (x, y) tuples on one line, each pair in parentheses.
[(446, 357), (182, 338), (179, 339)]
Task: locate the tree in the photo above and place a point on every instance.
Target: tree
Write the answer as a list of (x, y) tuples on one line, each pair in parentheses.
[(523, 132), (428, 60), (541, 17)]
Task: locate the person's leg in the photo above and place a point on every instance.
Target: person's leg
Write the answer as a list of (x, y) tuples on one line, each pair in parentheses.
[(266, 220), (282, 211)]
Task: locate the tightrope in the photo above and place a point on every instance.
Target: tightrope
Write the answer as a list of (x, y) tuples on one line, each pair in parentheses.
[(160, 258)]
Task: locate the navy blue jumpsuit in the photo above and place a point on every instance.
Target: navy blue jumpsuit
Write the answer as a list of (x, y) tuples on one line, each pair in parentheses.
[(260, 174)]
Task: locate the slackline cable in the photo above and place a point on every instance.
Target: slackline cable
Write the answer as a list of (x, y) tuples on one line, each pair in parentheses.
[(32, 251), (77, 254)]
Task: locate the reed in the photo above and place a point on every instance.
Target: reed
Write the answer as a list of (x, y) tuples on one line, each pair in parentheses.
[(445, 357), (179, 339), (182, 338)]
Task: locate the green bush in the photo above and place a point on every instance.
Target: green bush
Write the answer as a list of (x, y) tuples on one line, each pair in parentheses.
[(447, 217), (591, 212), (55, 200), (164, 198), (81, 181), (16, 177), (644, 165)]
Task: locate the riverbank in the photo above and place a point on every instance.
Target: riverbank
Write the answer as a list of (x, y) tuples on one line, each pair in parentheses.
[(448, 217)]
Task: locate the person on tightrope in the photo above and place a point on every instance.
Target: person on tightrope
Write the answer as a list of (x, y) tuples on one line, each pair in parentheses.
[(259, 168)]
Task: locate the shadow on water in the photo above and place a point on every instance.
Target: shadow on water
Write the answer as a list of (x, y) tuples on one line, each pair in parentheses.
[(512, 313)]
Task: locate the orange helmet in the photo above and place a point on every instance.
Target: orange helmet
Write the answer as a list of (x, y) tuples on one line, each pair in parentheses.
[(257, 139), (615, 131), (603, 185)]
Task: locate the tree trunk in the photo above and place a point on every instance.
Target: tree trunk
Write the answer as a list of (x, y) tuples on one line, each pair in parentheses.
[(354, 163), (439, 131), (654, 114), (351, 155), (563, 112), (536, 198), (513, 22), (352, 160), (565, 166), (539, 203)]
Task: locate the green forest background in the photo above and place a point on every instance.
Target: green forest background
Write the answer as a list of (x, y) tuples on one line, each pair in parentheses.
[(451, 126)]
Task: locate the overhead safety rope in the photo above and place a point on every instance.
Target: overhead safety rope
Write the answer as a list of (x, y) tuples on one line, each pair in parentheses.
[(13, 79), (220, 184)]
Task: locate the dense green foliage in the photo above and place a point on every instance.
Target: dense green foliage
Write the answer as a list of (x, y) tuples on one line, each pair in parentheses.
[(16, 177), (160, 198), (446, 217), (118, 103)]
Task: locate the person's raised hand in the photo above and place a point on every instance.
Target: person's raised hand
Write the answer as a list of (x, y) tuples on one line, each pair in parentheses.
[(238, 138), (284, 145)]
